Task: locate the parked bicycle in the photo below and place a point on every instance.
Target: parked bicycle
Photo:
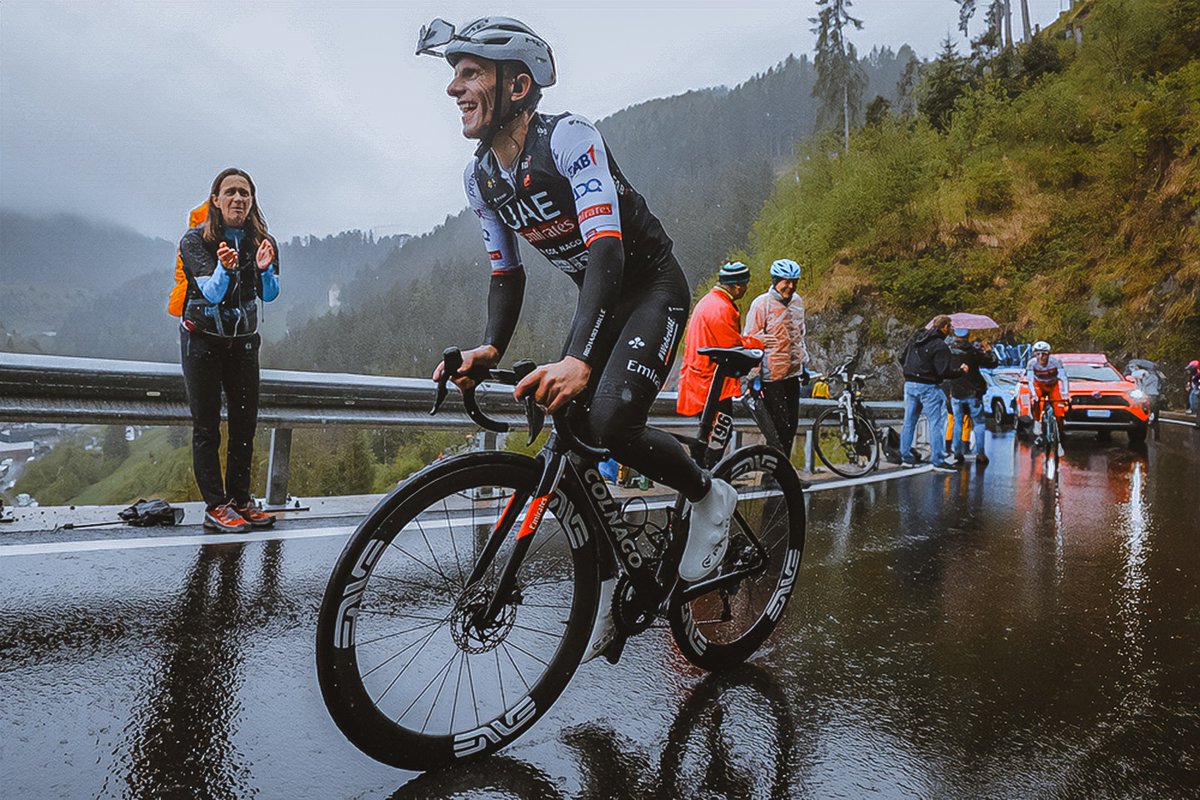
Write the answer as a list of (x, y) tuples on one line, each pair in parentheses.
[(461, 607), (845, 436)]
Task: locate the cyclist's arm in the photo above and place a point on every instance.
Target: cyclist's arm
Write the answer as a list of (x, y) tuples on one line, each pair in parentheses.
[(506, 293), (581, 157)]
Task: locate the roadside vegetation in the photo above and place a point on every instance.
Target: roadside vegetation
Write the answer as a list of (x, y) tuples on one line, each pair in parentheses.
[(1054, 186)]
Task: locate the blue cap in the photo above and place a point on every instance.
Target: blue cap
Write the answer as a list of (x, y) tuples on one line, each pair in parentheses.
[(734, 272)]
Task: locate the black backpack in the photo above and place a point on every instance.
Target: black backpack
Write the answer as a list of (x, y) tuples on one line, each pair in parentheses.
[(147, 513)]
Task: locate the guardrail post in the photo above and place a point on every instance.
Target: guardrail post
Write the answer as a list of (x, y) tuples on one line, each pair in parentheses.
[(279, 467), (808, 450)]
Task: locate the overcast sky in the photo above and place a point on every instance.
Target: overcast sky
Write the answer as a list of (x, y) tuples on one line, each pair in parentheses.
[(126, 111)]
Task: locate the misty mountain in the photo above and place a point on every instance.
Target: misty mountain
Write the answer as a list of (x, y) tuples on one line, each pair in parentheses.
[(73, 286)]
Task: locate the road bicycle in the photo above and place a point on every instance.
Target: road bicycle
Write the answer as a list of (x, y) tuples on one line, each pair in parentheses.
[(1051, 432), (462, 605), (845, 436)]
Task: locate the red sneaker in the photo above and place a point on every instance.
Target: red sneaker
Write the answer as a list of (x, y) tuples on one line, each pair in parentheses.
[(225, 518), (255, 515)]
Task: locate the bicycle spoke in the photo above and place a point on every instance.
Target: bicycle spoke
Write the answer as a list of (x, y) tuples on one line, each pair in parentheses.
[(538, 630), (526, 652), (520, 674), (397, 633), (440, 574)]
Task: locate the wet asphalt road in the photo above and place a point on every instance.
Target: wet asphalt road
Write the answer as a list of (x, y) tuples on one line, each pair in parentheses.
[(994, 633)]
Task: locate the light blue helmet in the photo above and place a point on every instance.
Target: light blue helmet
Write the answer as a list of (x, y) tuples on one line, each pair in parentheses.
[(785, 269)]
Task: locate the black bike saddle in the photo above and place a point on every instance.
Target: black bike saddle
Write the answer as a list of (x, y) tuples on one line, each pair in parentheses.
[(737, 360)]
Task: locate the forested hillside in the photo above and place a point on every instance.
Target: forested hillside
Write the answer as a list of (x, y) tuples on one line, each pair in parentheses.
[(1054, 187), (705, 160)]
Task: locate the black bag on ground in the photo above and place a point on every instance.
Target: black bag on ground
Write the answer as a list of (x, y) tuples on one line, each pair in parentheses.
[(146, 513)]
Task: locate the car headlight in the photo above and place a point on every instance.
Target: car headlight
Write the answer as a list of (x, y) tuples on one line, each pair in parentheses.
[(1138, 394)]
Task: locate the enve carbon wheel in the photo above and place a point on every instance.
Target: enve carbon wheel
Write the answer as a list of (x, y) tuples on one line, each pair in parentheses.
[(847, 455), (723, 627), (403, 671)]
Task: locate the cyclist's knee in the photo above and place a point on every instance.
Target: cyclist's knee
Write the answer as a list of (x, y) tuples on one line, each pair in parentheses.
[(614, 422)]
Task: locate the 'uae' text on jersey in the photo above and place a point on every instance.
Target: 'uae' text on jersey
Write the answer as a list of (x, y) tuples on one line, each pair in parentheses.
[(564, 193)]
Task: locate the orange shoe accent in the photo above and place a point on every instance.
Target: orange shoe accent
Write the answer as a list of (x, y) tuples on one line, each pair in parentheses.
[(225, 518), (256, 516)]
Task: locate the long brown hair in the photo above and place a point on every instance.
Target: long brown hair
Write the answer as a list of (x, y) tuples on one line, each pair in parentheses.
[(256, 224)]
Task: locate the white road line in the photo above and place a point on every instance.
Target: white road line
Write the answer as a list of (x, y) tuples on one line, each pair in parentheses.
[(92, 545), (196, 540)]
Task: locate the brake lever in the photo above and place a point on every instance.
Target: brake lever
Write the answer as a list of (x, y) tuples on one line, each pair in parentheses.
[(452, 362), (534, 416)]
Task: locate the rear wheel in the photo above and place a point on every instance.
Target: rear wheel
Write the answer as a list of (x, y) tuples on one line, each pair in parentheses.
[(848, 450), (721, 621), (404, 670)]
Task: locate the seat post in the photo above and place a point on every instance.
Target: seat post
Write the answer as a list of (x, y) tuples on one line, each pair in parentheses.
[(709, 414)]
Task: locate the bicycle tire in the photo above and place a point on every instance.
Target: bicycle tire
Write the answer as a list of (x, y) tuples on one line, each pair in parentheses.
[(862, 456), (770, 510), (390, 593)]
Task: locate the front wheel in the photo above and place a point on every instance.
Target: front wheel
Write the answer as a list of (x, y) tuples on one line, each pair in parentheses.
[(999, 415), (721, 621), (406, 669), (848, 449)]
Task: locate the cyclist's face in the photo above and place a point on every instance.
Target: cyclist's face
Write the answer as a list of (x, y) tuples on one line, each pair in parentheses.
[(786, 287), (474, 89), (1043, 357), (234, 200)]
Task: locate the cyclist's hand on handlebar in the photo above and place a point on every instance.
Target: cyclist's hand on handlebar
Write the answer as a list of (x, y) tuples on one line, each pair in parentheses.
[(485, 356), (552, 386)]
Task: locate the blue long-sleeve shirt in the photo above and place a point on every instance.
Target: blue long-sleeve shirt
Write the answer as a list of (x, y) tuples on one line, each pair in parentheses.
[(214, 286)]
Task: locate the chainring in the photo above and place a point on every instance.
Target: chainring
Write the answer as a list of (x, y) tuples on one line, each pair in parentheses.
[(629, 613)]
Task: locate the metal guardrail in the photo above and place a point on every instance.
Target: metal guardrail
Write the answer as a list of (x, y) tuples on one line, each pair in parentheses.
[(95, 391)]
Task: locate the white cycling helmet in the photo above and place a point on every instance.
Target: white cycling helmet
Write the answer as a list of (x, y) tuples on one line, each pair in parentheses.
[(501, 40), (505, 39), (785, 269), (1041, 346)]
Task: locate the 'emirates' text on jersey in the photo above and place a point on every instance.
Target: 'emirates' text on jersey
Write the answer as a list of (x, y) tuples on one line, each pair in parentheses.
[(566, 191)]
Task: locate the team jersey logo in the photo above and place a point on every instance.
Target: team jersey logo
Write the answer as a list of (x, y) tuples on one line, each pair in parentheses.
[(583, 162)]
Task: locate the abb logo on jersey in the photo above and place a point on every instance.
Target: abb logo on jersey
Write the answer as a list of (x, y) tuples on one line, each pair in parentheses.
[(584, 161)]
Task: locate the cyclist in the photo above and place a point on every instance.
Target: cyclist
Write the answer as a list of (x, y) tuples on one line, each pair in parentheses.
[(777, 317), (1047, 378), (551, 179), (1193, 386)]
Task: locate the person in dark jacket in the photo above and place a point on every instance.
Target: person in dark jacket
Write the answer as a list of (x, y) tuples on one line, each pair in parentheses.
[(230, 262), (966, 392), (926, 363)]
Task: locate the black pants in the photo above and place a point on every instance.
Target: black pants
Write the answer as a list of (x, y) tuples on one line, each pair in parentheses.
[(212, 366), (648, 325), (782, 399)]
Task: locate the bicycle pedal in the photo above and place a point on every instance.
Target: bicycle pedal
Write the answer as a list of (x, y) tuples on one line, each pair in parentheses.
[(612, 653)]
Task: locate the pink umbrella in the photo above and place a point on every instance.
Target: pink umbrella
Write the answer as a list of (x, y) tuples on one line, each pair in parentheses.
[(972, 322)]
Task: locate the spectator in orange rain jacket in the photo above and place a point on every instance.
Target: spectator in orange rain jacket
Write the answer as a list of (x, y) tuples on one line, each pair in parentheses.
[(715, 322)]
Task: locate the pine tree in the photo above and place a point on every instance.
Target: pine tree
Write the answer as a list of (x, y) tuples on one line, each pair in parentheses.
[(943, 83), (840, 78)]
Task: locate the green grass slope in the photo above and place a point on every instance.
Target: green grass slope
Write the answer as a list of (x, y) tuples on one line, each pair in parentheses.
[(1064, 204)]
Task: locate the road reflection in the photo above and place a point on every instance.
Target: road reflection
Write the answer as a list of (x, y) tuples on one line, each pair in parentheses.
[(182, 738), (732, 737)]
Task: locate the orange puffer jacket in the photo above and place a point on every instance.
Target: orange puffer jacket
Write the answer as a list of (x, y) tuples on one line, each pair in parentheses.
[(714, 323)]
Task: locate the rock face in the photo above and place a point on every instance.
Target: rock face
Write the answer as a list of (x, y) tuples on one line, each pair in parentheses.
[(863, 332)]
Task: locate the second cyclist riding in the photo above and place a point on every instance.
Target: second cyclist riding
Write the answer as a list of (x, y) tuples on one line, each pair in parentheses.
[(461, 607)]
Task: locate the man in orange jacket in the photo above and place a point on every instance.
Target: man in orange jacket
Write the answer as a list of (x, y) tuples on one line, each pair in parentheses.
[(715, 322)]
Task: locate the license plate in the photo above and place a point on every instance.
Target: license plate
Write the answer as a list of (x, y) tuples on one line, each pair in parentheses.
[(1099, 413)]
